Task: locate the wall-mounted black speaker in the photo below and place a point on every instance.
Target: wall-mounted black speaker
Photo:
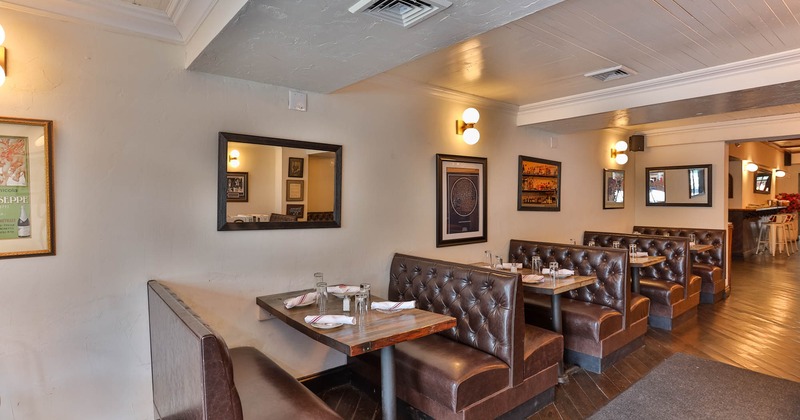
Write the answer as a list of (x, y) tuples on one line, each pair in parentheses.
[(636, 143), (787, 159)]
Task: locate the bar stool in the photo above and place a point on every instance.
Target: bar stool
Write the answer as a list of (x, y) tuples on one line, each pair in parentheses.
[(791, 230), (773, 234)]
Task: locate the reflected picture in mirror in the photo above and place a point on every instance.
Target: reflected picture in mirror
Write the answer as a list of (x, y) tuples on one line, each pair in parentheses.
[(685, 186), (272, 183), (762, 183), (613, 189)]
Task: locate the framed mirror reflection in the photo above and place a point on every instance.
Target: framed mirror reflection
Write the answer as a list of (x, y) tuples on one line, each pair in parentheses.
[(283, 176), (684, 186), (613, 189)]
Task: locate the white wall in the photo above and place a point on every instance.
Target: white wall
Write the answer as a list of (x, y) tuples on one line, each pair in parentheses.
[(135, 150)]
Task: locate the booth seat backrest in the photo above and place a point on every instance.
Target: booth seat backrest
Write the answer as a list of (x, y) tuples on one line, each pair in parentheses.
[(191, 367), (488, 310), (674, 248), (715, 237), (609, 264)]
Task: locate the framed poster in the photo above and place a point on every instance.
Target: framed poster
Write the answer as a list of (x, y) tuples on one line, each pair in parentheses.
[(460, 200), (539, 185), (613, 189), (295, 210), (296, 167), (294, 190), (27, 225), (237, 187)]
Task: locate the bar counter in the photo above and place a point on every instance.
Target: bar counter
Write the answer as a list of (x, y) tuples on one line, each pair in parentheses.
[(745, 228)]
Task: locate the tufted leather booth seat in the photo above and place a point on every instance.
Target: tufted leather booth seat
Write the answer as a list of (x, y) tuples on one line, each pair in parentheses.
[(711, 266), (490, 364), (196, 376), (673, 290), (602, 322)]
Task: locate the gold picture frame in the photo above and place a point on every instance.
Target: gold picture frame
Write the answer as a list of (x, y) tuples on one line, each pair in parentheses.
[(27, 223)]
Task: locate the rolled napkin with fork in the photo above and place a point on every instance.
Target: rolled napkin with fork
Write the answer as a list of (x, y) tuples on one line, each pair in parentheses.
[(302, 300), (393, 306), (532, 278), (561, 272), (330, 319), (639, 254)]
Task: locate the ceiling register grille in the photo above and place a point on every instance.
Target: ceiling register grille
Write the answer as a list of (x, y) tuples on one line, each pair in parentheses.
[(405, 13), (617, 72)]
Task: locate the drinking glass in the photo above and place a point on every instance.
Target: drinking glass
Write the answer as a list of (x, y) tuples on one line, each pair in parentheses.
[(632, 249), (322, 293), (361, 305), (536, 264), (615, 244), (488, 255), (592, 243), (499, 262), (666, 233), (692, 238), (553, 270), (366, 288)]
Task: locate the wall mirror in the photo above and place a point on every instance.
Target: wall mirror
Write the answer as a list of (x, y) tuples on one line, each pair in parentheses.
[(685, 186), (762, 182), (272, 183)]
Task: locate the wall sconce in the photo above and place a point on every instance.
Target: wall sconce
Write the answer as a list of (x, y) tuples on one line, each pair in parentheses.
[(2, 56), (618, 152), (780, 173), (233, 158), (751, 167), (467, 127)]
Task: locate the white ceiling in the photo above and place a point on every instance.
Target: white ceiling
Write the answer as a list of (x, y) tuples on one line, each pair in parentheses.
[(531, 54)]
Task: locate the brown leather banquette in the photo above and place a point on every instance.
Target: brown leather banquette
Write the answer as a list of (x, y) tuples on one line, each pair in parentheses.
[(196, 376), (673, 290), (602, 322), (711, 266), (489, 364)]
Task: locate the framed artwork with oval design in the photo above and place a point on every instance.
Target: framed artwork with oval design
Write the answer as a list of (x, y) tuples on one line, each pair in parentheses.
[(460, 200)]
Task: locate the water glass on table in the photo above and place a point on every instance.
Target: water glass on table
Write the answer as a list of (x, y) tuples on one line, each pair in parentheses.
[(615, 244), (553, 270), (632, 249), (366, 288), (536, 264), (592, 243), (361, 307), (692, 239), (322, 293)]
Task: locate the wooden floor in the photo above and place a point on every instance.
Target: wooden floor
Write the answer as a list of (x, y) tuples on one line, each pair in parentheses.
[(756, 328)]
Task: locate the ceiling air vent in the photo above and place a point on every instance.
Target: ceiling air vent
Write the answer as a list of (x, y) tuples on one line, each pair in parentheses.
[(611, 73), (405, 13)]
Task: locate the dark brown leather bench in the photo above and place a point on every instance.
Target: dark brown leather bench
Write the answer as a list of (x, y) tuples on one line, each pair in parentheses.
[(196, 376), (602, 322), (711, 266), (490, 364), (673, 290)]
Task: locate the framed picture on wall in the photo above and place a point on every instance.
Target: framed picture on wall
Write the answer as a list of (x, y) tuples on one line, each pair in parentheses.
[(294, 190), (296, 210), (237, 187), (539, 184), (613, 189), (296, 167), (26, 188), (460, 200)]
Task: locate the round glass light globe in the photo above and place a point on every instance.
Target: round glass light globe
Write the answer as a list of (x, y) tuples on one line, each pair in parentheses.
[(780, 173), (751, 167), (471, 116), (621, 146), (472, 135), (621, 159), (234, 153)]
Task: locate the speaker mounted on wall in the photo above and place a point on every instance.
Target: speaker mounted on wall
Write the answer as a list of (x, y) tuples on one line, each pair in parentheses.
[(636, 143)]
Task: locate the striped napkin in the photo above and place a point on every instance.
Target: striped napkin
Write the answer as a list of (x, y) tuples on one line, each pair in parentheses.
[(343, 288), (532, 278), (394, 306), (301, 300), (330, 319)]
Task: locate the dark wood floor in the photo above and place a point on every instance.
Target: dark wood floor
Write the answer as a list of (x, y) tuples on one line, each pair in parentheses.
[(756, 328)]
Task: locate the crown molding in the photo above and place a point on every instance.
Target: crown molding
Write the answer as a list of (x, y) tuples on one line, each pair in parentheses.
[(401, 83), (759, 128), (762, 71), (176, 25)]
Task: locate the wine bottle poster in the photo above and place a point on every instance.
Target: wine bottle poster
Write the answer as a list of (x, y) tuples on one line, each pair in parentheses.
[(15, 194), (26, 188)]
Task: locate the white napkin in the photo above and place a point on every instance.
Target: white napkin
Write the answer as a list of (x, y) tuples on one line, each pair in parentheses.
[(330, 319), (298, 300), (507, 266), (562, 272), (391, 306), (343, 288), (639, 254), (532, 278)]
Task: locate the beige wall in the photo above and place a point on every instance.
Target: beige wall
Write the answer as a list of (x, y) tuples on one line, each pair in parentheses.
[(321, 173), (767, 158)]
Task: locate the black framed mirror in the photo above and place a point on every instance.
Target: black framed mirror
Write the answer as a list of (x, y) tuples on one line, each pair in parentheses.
[(762, 182), (685, 186), (273, 183)]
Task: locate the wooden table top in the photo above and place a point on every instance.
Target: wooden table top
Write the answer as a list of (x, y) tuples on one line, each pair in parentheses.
[(700, 247), (638, 262), (550, 287), (380, 329)]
